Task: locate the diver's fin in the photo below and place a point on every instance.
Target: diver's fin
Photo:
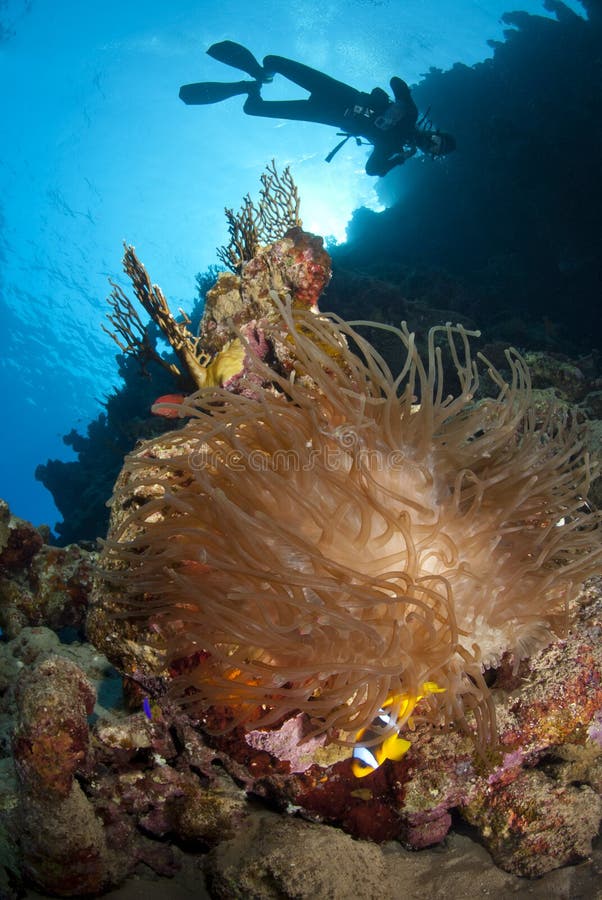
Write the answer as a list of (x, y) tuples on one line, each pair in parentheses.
[(239, 57), (213, 91)]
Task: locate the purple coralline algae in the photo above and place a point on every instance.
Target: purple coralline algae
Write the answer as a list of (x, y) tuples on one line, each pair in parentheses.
[(594, 731)]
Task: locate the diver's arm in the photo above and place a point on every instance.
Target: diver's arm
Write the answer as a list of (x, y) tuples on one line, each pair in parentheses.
[(401, 90), (380, 163)]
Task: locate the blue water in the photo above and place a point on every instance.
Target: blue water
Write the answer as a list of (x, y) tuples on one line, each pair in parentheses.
[(97, 149)]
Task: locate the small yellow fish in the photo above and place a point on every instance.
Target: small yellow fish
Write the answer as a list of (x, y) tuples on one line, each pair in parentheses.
[(366, 760)]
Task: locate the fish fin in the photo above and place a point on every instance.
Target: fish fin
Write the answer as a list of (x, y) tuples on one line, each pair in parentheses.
[(393, 748)]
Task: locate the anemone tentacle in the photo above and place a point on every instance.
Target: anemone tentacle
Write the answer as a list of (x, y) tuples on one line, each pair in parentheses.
[(345, 535)]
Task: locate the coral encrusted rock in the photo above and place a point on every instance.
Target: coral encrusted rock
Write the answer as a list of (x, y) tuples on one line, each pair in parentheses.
[(62, 841)]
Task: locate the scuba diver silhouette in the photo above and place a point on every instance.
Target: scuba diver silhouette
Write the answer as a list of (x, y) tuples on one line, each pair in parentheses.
[(390, 126)]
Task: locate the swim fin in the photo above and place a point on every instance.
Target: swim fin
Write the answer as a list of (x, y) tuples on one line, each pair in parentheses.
[(205, 92), (239, 57)]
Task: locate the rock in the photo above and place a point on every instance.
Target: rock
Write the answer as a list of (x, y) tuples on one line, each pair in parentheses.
[(208, 816), (50, 742), (62, 842), (297, 265), (63, 845), (31, 647), (19, 541), (11, 882), (535, 825), (39, 584), (276, 859), (548, 369)]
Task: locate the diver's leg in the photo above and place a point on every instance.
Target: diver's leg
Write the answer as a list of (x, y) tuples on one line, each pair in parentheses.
[(239, 57), (310, 79), (205, 92), (298, 110)]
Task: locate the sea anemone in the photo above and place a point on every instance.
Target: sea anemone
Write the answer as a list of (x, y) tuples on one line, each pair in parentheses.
[(337, 539)]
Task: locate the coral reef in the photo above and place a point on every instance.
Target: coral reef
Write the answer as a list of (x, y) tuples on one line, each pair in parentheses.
[(520, 246), (533, 810), (253, 226), (81, 489), (275, 216), (400, 545), (535, 800), (40, 584), (411, 800), (145, 785), (132, 788), (141, 779)]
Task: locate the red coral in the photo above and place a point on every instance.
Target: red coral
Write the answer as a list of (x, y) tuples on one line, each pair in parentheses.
[(310, 270)]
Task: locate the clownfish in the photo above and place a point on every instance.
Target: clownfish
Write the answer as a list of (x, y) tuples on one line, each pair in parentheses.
[(367, 759)]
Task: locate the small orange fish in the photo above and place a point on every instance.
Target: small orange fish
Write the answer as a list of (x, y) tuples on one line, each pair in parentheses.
[(366, 761), (394, 747), (168, 412)]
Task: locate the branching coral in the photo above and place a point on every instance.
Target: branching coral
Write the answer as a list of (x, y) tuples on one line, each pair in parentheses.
[(276, 214), (131, 335), (325, 544), (252, 226)]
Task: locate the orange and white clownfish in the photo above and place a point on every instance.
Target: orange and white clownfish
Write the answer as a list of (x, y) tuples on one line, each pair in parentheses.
[(367, 759)]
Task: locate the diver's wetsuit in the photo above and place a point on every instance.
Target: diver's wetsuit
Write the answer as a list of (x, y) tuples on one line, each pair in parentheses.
[(389, 126)]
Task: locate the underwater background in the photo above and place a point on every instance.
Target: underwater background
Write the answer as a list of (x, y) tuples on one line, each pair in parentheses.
[(97, 149), (213, 699)]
